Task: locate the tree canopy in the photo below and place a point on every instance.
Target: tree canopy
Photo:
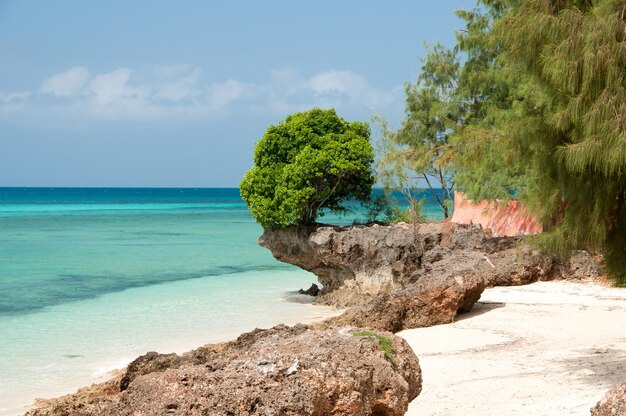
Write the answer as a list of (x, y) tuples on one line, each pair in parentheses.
[(312, 161), (572, 120), (537, 110)]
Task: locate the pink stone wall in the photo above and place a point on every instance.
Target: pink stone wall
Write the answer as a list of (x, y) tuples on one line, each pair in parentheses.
[(502, 219)]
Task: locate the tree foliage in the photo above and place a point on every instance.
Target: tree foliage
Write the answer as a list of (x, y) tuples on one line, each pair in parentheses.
[(419, 149), (550, 123), (399, 173), (312, 161), (574, 125), (537, 110), (487, 165)]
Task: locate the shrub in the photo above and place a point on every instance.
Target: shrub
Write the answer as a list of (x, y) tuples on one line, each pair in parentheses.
[(312, 161)]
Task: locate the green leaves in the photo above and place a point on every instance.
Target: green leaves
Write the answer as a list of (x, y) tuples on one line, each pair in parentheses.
[(546, 84), (530, 103), (312, 160), (576, 52), (419, 149)]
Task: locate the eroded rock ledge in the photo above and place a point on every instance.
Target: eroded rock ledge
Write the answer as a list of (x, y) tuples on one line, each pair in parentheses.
[(279, 371), (398, 277)]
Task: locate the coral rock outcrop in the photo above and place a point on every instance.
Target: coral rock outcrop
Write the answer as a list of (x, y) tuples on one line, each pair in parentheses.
[(399, 276), (280, 371)]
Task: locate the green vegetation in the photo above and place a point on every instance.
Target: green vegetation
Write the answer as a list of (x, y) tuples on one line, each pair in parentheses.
[(395, 214), (311, 161), (384, 209), (574, 126), (531, 103), (385, 343), (419, 150)]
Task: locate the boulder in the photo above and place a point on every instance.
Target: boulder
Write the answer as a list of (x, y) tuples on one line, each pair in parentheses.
[(149, 363), (281, 371), (356, 263), (427, 302), (314, 290), (613, 403), (352, 263)]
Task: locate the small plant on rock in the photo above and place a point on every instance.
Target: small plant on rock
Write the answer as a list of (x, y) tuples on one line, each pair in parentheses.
[(385, 343)]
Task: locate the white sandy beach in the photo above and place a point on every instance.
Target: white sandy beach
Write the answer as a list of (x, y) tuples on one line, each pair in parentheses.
[(549, 348)]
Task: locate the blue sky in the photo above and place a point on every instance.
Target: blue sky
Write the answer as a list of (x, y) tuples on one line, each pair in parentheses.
[(148, 93)]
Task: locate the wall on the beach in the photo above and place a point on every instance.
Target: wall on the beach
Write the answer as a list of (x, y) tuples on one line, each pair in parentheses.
[(504, 219)]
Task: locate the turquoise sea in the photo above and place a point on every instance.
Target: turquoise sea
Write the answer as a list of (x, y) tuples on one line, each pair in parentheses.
[(90, 278)]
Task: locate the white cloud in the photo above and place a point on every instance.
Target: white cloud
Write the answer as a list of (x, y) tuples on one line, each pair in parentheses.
[(179, 84), (66, 83), (149, 93), (225, 93), (287, 81), (334, 81), (179, 93), (341, 86), (112, 86)]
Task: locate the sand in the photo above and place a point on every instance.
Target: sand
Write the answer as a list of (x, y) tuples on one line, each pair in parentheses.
[(549, 348)]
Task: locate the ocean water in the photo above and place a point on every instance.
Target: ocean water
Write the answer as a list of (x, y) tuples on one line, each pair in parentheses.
[(90, 278)]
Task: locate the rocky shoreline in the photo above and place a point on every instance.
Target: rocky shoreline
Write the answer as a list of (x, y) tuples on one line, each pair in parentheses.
[(282, 370), (390, 278), (397, 277)]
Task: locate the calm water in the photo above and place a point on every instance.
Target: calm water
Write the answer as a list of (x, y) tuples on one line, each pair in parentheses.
[(91, 278)]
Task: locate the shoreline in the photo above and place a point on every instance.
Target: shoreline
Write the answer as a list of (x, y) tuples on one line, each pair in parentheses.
[(101, 372), (555, 347)]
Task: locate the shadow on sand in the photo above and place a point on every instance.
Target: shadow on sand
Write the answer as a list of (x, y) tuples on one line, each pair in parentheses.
[(597, 366), (479, 309)]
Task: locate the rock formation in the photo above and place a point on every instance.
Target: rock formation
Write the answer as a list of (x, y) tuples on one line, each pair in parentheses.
[(353, 263), (613, 403), (314, 290), (390, 277), (427, 302), (280, 371), (395, 278), (357, 263)]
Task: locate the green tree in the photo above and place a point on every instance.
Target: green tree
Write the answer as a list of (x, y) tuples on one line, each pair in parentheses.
[(312, 161), (574, 125), (545, 94), (449, 135), (487, 164), (535, 110), (398, 171), (419, 149)]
